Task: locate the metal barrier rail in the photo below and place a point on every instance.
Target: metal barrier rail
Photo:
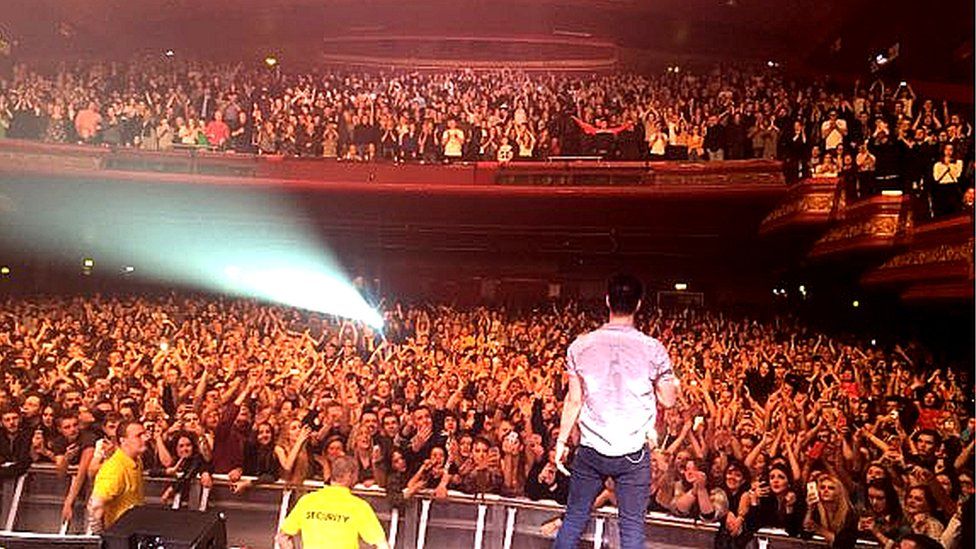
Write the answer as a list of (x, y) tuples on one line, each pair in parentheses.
[(31, 506)]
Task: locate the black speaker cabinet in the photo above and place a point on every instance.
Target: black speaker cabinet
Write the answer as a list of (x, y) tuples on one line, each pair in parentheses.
[(156, 527)]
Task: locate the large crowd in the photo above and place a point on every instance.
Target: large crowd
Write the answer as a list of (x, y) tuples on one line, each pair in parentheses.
[(777, 425), (873, 137)]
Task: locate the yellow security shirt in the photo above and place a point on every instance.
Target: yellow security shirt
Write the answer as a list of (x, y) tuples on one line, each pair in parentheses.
[(333, 518), (119, 484)]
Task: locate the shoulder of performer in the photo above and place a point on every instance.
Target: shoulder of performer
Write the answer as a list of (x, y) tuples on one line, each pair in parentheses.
[(581, 341), (657, 349)]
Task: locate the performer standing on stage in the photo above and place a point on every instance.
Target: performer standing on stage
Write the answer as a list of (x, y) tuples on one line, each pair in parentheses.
[(617, 376)]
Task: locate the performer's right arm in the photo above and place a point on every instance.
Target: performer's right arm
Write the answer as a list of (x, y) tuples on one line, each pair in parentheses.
[(571, 410), (571, 407)]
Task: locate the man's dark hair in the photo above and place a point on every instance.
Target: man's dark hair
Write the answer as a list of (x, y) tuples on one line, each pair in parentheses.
[(921, 541), (624, 293), (936, 437), (481, 440), (892, 504)]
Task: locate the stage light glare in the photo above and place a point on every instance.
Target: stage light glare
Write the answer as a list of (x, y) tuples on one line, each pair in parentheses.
[(251, 246), (271, 61), (680, 286), (305, 289), (5, 270), (856, 304)]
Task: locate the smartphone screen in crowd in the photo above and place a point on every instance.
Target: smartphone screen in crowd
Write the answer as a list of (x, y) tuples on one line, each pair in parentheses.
[(812, 489)]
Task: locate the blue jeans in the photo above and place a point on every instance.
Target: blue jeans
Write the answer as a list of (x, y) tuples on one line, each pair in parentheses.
[(631, 476)]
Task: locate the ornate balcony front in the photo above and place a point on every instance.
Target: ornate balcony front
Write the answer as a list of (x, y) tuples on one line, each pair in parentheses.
[(811, 203), (871, 226), (936, 263)]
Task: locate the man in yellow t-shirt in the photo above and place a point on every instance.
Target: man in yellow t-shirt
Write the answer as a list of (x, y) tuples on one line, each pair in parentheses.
[(333, 517), (118, 484)]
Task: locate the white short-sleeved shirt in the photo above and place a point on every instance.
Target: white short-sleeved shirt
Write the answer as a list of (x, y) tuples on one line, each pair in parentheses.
[(619, 367), (453, 139), (833, 137), (944, 173)]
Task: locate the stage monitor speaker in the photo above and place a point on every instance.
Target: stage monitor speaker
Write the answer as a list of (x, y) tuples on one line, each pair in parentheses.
[(156, 527)]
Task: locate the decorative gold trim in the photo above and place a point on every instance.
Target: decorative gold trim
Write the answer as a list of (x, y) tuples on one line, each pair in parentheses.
[(942, 253), (883, 226), (809, 204)]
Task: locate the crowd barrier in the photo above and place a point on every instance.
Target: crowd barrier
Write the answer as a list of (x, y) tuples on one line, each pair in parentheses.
[(30, 509)]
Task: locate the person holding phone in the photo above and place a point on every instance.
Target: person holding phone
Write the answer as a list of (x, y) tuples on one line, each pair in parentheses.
[(694, 500), (732, 531), (292, 453), (883, 519), (774, 503), (830, 514), (616, 377), (481, 473)]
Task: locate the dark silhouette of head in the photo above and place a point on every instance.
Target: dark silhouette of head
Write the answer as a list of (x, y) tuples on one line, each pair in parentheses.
[(624, 293)]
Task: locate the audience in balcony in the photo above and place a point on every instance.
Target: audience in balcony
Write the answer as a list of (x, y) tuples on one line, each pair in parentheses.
[(725, 114), (827, 167), (946, 176)]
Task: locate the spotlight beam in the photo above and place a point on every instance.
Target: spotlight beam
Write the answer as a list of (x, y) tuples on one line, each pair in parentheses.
[(236, 241)]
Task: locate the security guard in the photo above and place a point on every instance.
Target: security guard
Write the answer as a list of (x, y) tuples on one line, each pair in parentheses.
[(118, 484), (332, 517)]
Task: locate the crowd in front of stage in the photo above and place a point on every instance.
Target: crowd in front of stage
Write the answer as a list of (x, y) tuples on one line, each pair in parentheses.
[(777, 425)]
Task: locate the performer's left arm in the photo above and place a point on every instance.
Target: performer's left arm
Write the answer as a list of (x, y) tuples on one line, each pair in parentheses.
[(666, 384), (667, 388)]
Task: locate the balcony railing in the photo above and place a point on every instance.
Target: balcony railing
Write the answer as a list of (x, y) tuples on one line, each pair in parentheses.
[(735, 176), (30, 509)]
